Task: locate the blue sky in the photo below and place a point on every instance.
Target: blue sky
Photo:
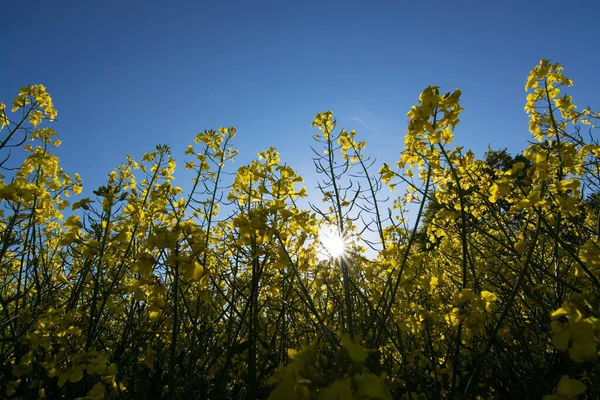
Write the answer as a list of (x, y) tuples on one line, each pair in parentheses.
[(127, 75)]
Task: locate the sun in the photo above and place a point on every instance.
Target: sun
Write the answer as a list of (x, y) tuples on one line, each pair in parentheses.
[(333, 244)]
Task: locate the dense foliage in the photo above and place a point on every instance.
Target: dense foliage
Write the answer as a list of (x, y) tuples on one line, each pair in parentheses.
[(144, 291)]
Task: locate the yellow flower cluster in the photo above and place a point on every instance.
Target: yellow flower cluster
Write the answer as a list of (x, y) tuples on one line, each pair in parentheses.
[(145, 290)]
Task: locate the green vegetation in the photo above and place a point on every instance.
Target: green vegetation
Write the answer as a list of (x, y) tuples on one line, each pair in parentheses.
[(144, 291)]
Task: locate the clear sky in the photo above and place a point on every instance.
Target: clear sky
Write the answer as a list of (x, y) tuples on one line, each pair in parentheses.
[(126, 75)]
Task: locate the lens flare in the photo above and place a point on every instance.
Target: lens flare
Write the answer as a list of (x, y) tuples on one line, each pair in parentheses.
[(333, 243)]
